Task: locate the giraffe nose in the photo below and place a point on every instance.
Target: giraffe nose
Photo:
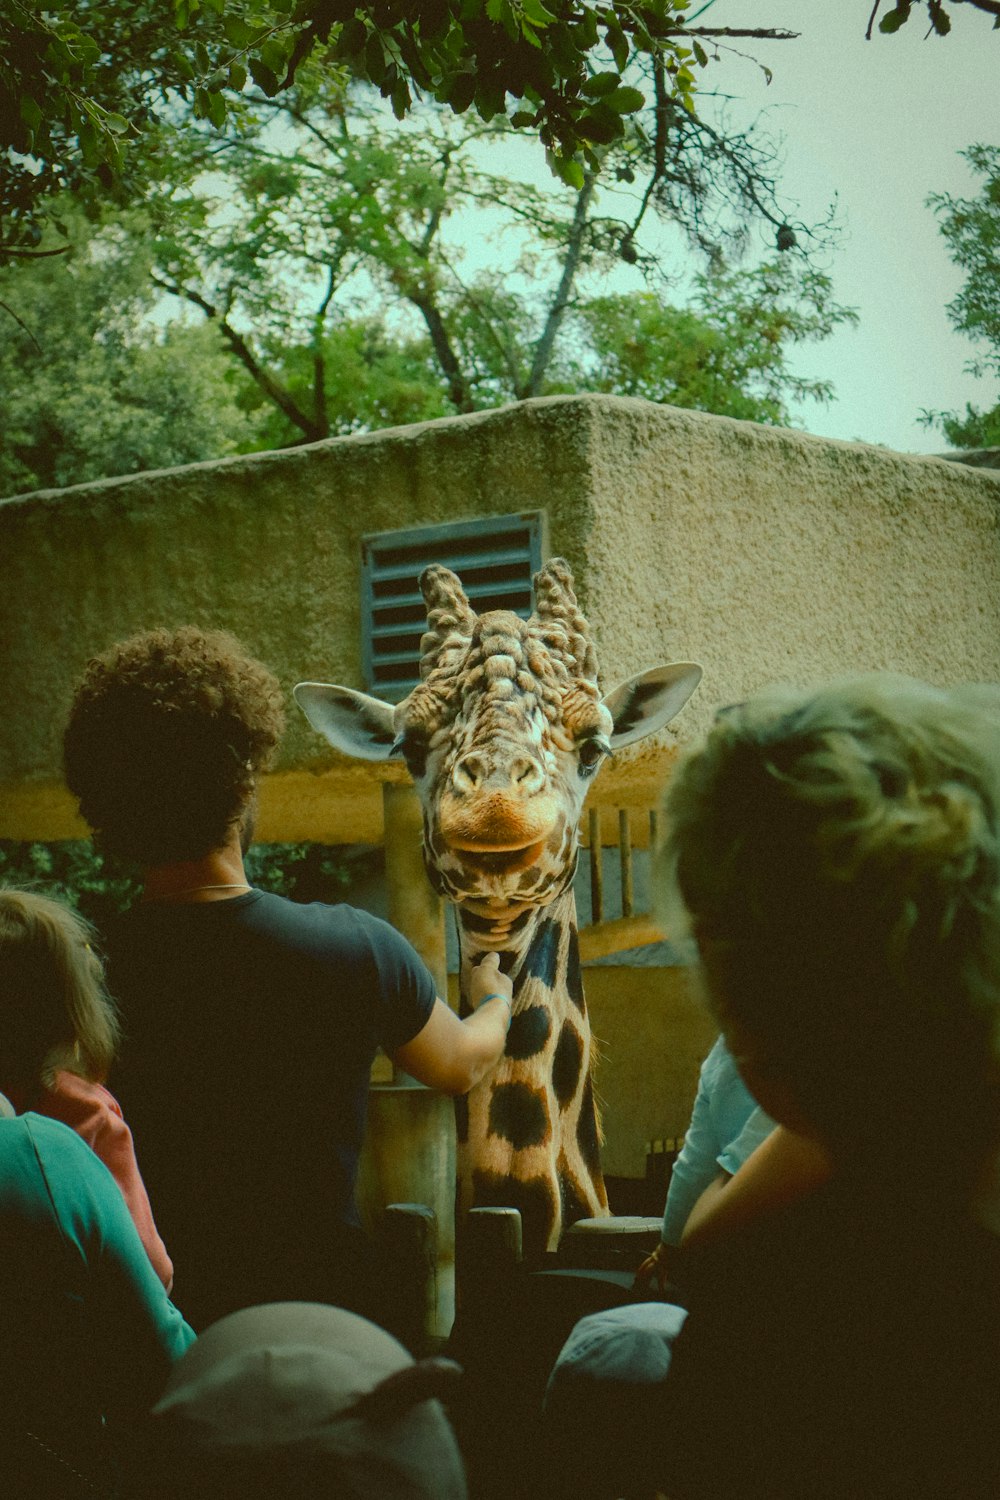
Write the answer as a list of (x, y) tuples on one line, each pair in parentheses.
[(469, 772), (521, 772)]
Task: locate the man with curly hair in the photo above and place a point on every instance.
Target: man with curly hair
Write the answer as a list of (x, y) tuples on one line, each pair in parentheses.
[(250, 1021)]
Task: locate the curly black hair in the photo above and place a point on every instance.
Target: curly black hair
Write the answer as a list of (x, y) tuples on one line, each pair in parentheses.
[(167, 736)]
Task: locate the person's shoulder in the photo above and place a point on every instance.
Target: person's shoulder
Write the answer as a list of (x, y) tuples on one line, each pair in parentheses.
[(324, 918)]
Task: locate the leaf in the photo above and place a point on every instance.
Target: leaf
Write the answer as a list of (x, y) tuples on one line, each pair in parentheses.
[(263, 77), (273, 55), (701, 55), (523, 117), (616, 40), (217, 110), (374, 58), (625, 101), (238, 32), (536, 12), (940, 19), (601, 125), (461, 92), (567, 168), (30, 113), (601, 84), (237, 76), (116, 123)]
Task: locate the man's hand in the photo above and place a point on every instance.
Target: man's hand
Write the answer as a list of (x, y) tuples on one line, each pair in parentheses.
[(486, 981), (453, 1055)]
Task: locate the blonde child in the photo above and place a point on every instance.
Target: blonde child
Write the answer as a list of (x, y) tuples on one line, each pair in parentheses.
[(58, 1037)]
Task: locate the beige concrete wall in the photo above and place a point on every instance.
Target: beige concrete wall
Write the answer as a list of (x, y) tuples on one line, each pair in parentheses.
[(652, 1032), (760, 552)]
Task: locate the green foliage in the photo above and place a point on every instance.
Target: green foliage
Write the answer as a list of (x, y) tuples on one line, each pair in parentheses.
[(89, 387), (974, 429), (971, 227), (100, 889), (318, 243), (937, 12), (84, 83), (373, 379), (71, 871), (727, 353)]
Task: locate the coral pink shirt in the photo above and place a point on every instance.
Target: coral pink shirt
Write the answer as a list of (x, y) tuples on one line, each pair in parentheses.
[(95, 1115)]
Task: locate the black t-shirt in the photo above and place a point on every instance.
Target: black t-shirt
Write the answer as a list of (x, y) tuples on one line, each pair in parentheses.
[(844, 1349), (250, 1026)]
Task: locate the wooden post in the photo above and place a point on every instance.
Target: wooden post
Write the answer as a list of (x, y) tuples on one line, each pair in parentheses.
[(596, 867), (409, 1150), (625, 856), (415, 909), (410, 1252), (489, 1257)]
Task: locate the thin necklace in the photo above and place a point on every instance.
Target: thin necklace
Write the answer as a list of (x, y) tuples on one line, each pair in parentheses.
[(192, 890)]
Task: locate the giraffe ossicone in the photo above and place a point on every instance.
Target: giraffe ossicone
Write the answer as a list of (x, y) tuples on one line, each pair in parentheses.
[(503, 736)]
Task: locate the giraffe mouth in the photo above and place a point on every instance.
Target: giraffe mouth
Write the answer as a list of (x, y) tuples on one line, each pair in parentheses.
[(489, 860)]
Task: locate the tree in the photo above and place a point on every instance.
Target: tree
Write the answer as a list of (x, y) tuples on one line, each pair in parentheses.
[(727, 353), (85, 85), (314, 206), (89, 386), (971, 227)]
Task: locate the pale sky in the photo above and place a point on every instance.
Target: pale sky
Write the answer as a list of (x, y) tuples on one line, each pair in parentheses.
[(880, 123)]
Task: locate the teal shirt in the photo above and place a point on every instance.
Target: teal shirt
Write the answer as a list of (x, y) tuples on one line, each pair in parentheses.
[(727, 1124), (86, 1328)]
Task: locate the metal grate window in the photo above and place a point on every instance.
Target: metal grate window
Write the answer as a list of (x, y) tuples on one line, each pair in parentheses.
[(494, 557)]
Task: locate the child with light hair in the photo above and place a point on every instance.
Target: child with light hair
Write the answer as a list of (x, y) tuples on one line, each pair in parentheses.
[(58, 1037), (837, 856)]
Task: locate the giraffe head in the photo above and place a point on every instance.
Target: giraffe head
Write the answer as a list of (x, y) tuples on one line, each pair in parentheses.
[(502, 736)]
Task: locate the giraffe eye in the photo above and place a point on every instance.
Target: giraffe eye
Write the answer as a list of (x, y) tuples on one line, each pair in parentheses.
[(413, 748), (590, 753)]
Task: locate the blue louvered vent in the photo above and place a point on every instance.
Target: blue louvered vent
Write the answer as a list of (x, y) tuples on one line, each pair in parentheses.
[(494, 557)]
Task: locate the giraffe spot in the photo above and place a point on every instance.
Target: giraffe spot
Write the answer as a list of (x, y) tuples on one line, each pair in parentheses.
[(566, 1063), (534, 1199), (519, 1114), (462, 1118), (575, 1202), (529, 1031), (555, 840), (574, 977), (543, 955), (587, 1134), (529, 877)]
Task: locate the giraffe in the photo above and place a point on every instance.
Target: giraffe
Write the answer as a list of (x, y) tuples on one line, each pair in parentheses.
[(502, 737)]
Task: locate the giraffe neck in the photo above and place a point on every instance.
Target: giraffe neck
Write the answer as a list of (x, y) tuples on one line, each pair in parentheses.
[(526, 940), (528, 1134)]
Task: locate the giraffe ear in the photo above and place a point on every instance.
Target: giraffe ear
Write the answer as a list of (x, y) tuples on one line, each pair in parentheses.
[(645, 703), (353, 723)]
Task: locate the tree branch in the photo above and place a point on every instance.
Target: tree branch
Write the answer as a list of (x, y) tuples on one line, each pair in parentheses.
[(21, 324), (571, 264), (458, 387), (321, 415), (238, 345)]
